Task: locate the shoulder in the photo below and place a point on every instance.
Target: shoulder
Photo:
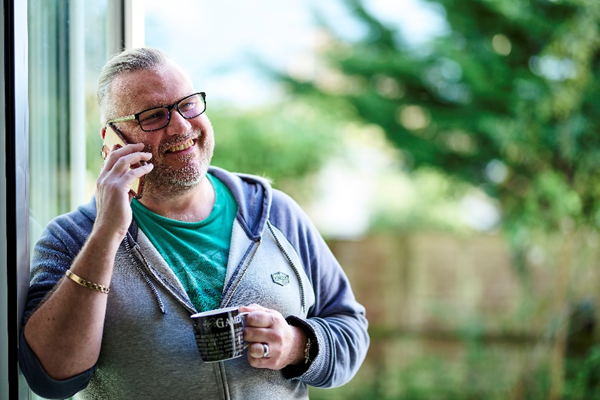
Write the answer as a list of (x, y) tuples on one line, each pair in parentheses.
[(241, 184), (70, 230), (289, 217), (283, 205)]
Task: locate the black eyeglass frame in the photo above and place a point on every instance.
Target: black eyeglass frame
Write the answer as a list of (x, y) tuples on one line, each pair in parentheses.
[(169, 108)]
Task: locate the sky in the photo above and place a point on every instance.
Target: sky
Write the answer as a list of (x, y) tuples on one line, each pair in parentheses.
[(215, 40)]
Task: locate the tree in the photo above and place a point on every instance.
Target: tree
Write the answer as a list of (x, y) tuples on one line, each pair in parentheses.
[(508, 100), (286, 144)]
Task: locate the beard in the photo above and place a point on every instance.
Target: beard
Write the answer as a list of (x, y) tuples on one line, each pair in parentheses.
[(166, 182)]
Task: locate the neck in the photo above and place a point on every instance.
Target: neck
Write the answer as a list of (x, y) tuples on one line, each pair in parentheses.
[(192, 206)]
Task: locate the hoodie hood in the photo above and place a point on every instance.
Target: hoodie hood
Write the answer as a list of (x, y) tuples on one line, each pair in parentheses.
[(253, 195)]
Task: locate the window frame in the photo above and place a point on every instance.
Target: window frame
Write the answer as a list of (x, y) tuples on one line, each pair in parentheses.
[(122, 15), (16, 214)]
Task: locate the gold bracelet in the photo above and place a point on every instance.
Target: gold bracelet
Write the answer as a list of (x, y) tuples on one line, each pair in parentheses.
[(307, 351), (87, 284)]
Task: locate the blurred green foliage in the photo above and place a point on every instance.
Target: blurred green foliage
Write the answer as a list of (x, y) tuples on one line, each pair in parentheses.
[(483, 371), (286, 144), (507, 100), (428, 201)]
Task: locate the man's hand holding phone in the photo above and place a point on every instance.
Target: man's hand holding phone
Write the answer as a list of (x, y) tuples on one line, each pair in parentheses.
[(112, 137), (124, 165)]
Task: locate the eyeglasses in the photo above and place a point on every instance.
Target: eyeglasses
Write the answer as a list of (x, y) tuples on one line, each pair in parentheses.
[(157, 118)]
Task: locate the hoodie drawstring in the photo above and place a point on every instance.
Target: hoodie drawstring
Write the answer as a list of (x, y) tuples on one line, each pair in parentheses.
[(145, 277)]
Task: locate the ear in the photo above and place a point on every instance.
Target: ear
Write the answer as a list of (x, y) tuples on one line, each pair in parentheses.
[(103, 132)]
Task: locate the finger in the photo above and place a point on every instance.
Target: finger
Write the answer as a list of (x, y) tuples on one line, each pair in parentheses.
[(257, 350), (121, 177), (129, 148), (125, 162), (116, 153), (252, 307), (264, 363), (260, 319), (127, 179), (136, 173), (263, 335)]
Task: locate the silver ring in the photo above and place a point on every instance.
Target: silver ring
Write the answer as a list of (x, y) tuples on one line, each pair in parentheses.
[(265, 350)]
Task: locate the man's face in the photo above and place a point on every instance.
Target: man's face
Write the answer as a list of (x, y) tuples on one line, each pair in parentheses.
[(181, 151)]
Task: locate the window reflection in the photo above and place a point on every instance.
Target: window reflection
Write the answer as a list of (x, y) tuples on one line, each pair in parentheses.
[(67, 47)]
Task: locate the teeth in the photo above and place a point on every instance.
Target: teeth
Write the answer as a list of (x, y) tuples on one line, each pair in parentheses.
[(183, 146)]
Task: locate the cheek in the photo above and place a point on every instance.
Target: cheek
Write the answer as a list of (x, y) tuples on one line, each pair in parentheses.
[(149, 146), (203, 122), (152, 149), (135, 138)]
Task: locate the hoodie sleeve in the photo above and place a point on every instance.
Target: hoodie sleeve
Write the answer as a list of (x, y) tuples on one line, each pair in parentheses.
[(336, 319), (53, 254), (41, 383)]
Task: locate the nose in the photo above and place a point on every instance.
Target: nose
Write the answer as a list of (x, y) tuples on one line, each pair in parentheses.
[(177, 124)]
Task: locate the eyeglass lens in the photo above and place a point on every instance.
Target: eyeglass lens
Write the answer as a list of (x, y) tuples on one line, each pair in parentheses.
[(158, 118)]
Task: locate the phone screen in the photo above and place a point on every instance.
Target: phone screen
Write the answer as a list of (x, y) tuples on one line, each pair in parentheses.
[(113, 137)]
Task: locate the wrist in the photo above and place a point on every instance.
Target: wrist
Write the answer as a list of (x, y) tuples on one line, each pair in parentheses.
[(303, 348), (102, 237), (306, 347), (299, 346)]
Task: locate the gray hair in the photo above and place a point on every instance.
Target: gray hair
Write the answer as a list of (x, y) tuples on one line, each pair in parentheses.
[(139, 59)]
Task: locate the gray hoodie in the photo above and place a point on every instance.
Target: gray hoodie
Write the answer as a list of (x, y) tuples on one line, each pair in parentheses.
[(148, 348)]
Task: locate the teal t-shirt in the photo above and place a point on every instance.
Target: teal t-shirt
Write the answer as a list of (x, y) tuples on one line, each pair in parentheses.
[(196, 251)]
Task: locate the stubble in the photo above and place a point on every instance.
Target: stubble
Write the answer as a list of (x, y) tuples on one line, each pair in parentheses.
[(166, 182)]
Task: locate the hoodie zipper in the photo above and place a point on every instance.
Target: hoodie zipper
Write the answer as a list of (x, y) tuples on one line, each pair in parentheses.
[(291, 263), (155, 293), (145, 277), (239, 280)]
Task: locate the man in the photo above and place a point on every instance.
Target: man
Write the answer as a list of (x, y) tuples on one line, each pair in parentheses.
[(114, 283)]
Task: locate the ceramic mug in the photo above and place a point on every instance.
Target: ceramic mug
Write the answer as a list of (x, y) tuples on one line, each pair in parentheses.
[(220, 334)]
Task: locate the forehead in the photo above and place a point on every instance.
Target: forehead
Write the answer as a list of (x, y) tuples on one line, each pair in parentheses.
[(135, 91)]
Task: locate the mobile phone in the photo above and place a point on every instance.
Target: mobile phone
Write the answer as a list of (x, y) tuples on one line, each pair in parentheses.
[(111, 138)]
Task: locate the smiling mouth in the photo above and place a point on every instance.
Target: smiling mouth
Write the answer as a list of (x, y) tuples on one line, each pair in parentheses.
[(181, 147)]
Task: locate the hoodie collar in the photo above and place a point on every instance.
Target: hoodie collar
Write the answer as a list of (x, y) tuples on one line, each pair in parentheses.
[(253, 195)]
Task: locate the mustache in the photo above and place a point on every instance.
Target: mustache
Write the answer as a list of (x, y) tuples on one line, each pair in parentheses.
[(170, 142)]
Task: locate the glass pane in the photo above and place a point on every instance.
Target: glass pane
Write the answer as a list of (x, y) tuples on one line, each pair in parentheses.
[(67, 48), (48, 111)]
